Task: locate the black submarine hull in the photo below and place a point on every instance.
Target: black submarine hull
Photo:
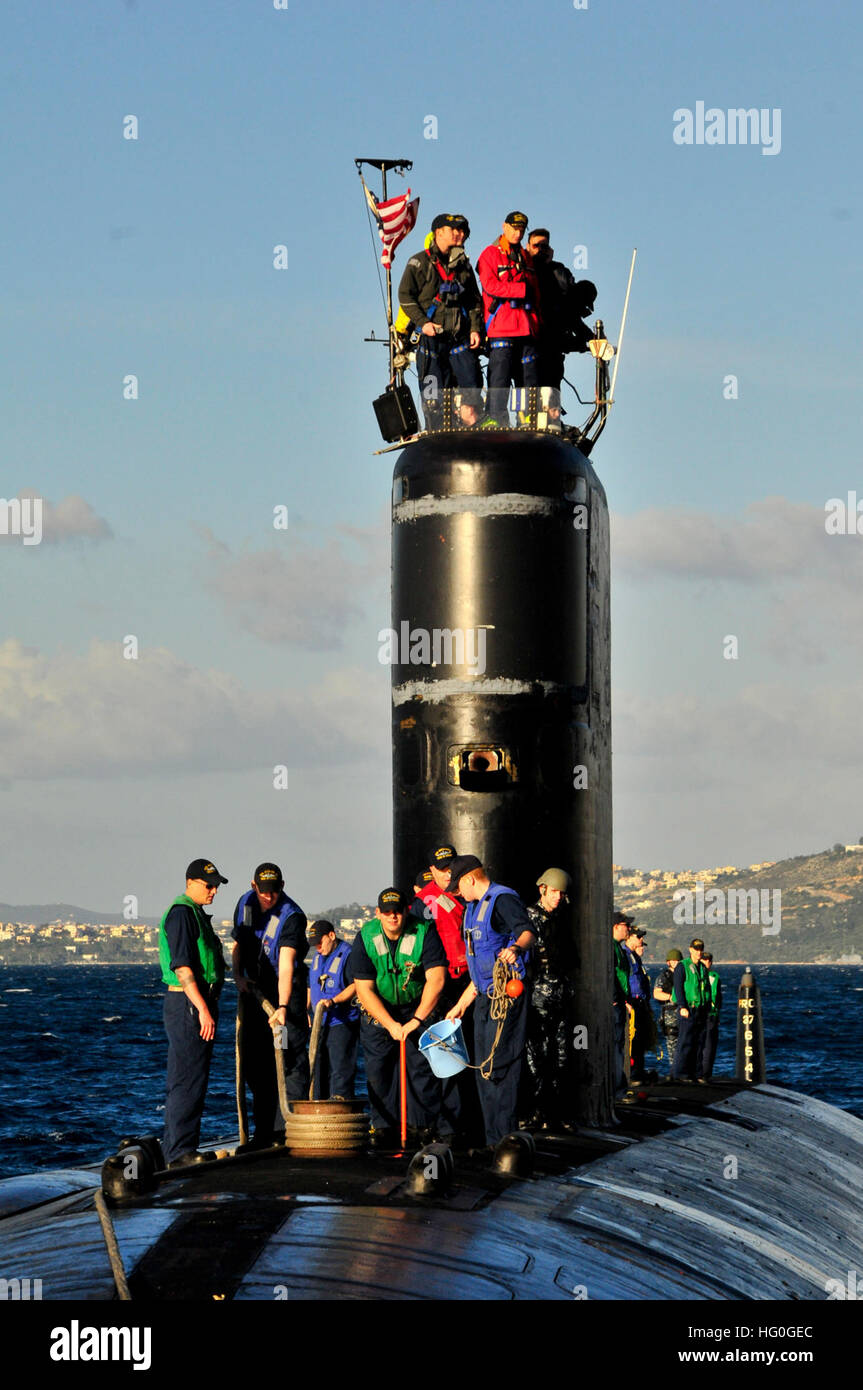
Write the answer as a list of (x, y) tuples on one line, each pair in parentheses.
[(501, 706)]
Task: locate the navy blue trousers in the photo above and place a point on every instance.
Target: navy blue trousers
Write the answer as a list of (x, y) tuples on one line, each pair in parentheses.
[(689, 1045), (499, 1095), (382, 1071), (517, 362), (707, 1050), (259, 1062), (440, 364), (336, 1061), (188, 1072), (621, 1022)]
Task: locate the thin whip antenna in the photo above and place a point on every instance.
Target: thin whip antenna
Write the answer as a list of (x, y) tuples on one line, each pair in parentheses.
[(622, 326)]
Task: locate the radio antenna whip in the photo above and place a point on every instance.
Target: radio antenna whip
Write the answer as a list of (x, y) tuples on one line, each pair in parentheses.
[(622, 327)]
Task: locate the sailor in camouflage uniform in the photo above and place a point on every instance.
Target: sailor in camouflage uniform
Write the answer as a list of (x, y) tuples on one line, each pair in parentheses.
[(669, 1022), (549, 1030)]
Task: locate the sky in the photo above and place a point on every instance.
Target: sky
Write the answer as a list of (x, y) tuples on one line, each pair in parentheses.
[(165, 647)]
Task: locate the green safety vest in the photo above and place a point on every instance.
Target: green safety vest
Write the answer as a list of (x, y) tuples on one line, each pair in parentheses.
[(209, 947), (713, 987), (621, 969), (696, 986), (396, 981)]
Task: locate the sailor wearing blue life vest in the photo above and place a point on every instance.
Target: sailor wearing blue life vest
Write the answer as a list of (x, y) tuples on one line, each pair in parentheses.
[(331, 984), (269, 951), (399, 966), (644, 1035), (496, 928)]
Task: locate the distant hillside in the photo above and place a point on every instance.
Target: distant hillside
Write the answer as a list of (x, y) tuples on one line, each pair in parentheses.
[(821, 908), (42, 913)]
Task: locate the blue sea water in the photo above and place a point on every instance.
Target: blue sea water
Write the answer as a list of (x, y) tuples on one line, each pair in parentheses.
[(84, 1053)]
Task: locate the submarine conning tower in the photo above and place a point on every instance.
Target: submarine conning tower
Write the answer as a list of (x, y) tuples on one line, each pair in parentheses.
[(501, 686)]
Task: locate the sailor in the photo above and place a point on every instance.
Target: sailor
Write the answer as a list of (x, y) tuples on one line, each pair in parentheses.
[(193, 968), (496, 929), (707, 1051), (622, 996), (418, 907), (691, 994), (669, 1022), (644, 1029), (446, 910), (330, 984), (399, 967), (269, 954), (565, 303), (511, 307), (549, 1027), (439, 296)]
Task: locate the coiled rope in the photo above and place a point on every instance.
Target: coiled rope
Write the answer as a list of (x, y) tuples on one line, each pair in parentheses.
[(500, 1005), (315, 1042)]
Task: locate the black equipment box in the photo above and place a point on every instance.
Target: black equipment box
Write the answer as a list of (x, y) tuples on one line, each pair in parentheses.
[(396, 413)]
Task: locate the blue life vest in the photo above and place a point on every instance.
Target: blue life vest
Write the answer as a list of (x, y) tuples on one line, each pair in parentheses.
[(484, 942), (270, 929), (326, 979), (639, 980)]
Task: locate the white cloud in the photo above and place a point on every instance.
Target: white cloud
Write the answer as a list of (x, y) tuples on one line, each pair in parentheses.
[(71, 519), (98, 714), (291, 593)]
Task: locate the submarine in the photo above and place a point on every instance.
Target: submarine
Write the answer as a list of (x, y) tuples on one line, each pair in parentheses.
[(738, 1190)]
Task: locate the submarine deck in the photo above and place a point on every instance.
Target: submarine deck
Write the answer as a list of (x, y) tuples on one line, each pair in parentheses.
[(707, 1192)]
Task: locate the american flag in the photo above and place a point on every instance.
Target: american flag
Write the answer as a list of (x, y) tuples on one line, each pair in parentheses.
[(395, 218)]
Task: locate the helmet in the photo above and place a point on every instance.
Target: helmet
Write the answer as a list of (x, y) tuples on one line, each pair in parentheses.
[(555, 878)]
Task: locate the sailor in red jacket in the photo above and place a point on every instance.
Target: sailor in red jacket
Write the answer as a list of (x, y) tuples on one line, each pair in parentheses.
[(510, 295), (446, 910), (458, 1102)]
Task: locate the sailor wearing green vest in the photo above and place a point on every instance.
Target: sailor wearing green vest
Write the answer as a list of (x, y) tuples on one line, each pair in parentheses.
[(399, 966), (621, 998), (707, 1051), (691, 994), (193, 968)]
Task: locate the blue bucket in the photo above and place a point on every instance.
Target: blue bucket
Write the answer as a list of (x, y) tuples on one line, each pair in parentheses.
[(443, 1048)]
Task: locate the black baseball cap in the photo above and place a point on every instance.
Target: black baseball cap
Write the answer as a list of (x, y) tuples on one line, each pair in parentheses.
[(269, 878), (391, 900), (206, 870), (697, 944), (516, 219), (443, 856), (451, 219), (318, 930), (422, 877), (461, 865), (622, 917)]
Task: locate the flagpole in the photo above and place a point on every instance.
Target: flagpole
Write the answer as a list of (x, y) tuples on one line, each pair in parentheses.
[(389, 285), (400, 165)]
